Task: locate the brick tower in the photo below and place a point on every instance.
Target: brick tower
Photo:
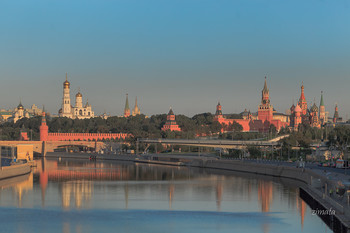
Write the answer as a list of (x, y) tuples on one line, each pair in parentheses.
[(265, 112), (323, 119), (336, 114), (44, 129), (218, 113), (170, 123), (127, 108)]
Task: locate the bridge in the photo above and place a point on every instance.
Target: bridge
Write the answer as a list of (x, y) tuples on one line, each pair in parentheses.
[(227, 144), (42, 147)]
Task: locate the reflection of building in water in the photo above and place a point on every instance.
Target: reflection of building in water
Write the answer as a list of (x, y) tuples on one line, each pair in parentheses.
[(126, 195), (20, 185), (80, 190), (301, 206), (265, 195), (219, 191), (171, 194)]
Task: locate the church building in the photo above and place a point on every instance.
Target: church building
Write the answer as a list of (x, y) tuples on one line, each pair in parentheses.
[(79, 111)]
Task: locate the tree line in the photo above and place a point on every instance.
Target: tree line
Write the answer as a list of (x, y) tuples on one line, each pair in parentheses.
[(139, 126)]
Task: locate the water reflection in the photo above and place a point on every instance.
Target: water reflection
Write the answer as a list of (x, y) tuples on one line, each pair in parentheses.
[(72, 185)]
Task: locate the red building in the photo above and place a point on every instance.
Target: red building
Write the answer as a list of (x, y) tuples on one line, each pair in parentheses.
[(46, 136), (170, 123), (302, 102), (265, 118)]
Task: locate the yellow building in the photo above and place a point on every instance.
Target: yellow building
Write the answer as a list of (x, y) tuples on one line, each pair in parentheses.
[(25, 151)]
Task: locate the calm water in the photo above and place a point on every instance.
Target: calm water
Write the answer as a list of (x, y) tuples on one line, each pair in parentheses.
[(81, 196)]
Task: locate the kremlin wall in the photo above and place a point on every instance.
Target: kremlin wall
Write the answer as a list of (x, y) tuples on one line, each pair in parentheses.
[(46, 136)]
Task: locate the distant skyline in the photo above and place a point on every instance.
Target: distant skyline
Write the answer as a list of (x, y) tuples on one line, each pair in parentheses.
[(184, 54)]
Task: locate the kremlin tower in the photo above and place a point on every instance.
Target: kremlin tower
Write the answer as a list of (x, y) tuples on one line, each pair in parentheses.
[(265, 112), (44, 129), (136, 110), (127, 108), (323, 119), (170, 123), (336, 115), (218, 113)]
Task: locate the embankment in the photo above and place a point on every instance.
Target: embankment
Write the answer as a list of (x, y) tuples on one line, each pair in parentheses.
[(14, 170)]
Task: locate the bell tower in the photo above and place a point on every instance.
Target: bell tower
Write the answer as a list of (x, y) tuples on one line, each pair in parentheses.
[(66, 104)]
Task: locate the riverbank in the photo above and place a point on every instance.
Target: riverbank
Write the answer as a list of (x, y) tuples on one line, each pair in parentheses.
[(314, 184), (14, 170)]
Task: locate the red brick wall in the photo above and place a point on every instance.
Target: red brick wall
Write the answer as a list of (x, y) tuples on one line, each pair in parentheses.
[(85, 136)]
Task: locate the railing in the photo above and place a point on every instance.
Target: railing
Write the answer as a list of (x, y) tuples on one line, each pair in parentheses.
[(209, 142)]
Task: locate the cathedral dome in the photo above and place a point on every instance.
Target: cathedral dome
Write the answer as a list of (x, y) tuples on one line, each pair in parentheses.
[(314, 108), (20, 106), (297, 108), (78, 95), (66, 84), (292, 108)]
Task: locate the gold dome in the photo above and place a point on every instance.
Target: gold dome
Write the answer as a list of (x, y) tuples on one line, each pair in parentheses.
[(78, 95), (66, 84), (20, 106)]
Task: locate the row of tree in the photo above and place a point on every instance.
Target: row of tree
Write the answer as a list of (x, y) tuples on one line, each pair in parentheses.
[(139, 126)]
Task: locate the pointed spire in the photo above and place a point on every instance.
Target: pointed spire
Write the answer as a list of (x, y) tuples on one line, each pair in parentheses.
[(127, 103), (302, 95), (321, 102), (171, 111), (265, 87), (66, 77), (44, 108), (136, 102)]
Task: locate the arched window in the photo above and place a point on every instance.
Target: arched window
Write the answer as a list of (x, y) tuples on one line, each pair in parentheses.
[(80, 112)]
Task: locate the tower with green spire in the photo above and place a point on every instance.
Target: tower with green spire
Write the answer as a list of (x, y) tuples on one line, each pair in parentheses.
[(127, 108), (265, 112), (322, 111)]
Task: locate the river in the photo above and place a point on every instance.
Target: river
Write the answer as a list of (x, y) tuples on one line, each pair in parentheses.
[(81, 196)]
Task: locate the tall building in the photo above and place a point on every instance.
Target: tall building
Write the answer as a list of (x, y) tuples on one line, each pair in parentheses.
[(314, 120), (79, 111), (336, 117), (218, 113), (265, 112), (302, 102), (126, 108), (170, 123), (323, 118), (136, 110)]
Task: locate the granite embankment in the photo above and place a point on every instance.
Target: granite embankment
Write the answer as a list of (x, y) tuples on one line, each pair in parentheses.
[(14, 170)]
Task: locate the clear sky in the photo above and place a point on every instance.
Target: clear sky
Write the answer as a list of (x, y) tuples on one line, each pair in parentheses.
[(187, 54)]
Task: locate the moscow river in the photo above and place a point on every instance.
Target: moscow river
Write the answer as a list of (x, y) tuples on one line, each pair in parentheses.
[(81, 196)]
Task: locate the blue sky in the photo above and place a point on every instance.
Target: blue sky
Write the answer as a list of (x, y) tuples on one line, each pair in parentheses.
[(187, 54)]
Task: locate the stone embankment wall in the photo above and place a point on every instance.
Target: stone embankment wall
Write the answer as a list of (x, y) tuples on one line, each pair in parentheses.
[(14, 170)]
